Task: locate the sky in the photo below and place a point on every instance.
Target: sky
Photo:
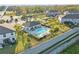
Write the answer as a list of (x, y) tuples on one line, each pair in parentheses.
[(38, 2)]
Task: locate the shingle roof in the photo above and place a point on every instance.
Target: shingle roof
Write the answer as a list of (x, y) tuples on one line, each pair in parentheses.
[(2, 8), (4, 30), (33, 23), (71, 16), (73, 11), (53, 11)]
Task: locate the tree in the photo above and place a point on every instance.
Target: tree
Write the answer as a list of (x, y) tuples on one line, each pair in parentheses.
[(16, 20), (56, 29), (7, 21), (2, 21), (23, 17), (18, 28)]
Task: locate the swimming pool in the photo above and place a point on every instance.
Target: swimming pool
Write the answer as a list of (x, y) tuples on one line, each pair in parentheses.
[(40, 32)]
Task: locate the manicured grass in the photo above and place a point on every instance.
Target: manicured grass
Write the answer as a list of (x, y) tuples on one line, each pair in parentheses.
[(74, 49), (8, 50)]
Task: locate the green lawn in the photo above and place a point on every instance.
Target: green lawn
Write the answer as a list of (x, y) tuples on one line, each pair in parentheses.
[(8, 50), (74, 49), (16, 48)]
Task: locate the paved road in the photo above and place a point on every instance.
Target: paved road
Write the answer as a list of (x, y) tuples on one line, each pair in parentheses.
[(43, 46), (64, 46)]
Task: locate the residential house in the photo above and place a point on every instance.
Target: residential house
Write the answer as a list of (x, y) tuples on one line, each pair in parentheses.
[(6, 36), (71, 12), (53, 13), (74, 18), (36, 29)]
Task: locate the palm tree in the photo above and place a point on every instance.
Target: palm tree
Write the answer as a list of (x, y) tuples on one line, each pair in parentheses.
[(18, 28)]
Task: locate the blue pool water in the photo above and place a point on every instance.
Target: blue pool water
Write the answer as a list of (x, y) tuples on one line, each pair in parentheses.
[(40, 30)]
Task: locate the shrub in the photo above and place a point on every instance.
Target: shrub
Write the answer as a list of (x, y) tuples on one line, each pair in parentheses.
[(56, 29), (2, 21), (7, 21), (16, 20)]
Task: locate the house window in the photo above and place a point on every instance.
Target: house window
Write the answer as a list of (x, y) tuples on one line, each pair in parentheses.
[(13, 38), (11, 33), (4, 35)]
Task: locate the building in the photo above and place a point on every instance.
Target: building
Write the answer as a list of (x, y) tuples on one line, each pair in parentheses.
[(6, 36), (36, 29), (28, 18), (74, 18), (71, 12), (53, 13)]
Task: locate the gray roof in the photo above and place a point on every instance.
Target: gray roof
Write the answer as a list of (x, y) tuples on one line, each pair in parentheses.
[(4, 30), (71, 16), (54, 11), (73, 11), (2, 8), (33, 23)]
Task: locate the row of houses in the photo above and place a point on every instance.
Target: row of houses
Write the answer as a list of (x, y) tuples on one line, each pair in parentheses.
[(74, 18), (7, 36), (71, 12), (70, 16)]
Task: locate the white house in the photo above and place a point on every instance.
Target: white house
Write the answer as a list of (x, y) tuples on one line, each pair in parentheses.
[(6, 36), (74, 18)]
